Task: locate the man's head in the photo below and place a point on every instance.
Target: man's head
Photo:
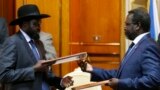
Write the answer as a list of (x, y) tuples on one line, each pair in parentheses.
[(31, 27), (29, 19), (137, 22)]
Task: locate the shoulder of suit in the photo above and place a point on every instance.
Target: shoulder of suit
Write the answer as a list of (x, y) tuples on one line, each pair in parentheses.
[(44, 34)]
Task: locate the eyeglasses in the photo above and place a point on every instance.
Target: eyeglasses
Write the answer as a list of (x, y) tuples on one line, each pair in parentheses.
[(128, 24)]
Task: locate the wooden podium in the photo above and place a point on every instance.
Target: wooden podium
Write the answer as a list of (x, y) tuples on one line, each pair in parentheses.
[(90, 85)]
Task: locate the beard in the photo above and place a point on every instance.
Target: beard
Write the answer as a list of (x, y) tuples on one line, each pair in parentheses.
[(131, 36), (33, 35)]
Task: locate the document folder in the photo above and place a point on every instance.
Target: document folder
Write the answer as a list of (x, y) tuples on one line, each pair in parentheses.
[(69, 58), (92, 84)]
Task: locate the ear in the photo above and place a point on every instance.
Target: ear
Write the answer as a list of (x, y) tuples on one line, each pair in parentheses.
[(137, 26)]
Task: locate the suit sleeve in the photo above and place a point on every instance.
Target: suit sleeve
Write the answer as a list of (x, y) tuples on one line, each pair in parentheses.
[(150, 65), (8, 72), (100, 74), (53, 80)]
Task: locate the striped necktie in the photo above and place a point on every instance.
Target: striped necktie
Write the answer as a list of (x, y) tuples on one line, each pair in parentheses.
[(36, 54), (34, 50)]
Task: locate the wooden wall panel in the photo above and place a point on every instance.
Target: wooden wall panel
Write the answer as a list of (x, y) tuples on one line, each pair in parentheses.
[(65, 24), (7, 8), (93, 17), (95, 28)]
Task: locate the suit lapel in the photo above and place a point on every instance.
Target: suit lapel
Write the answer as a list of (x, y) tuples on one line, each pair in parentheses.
[(126, 59), (128, 56), (27, 47)]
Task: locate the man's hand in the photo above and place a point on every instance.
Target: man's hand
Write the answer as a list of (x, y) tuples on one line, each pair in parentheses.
[(85, 66), (40, 66), (67, 81), (113, 83)]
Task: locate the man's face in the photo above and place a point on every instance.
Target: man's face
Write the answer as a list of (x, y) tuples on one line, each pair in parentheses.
[(130, 28), (33, 28)]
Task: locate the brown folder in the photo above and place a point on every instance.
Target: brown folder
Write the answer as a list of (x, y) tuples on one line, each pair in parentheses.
[(92, 84), (69, 58)]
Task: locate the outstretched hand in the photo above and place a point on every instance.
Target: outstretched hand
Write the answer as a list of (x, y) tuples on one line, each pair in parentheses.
[(40, 67), (85, 66)]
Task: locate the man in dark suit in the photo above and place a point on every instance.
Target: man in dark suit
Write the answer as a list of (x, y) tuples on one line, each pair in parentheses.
[(22, 56), (3, 30), (3, 36), (140, 67)]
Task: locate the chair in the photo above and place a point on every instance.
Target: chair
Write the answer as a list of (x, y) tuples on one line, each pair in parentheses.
[(81, 78)]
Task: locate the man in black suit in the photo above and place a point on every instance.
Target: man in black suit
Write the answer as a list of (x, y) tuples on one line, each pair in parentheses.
[(22, 56), (3, 30), (3, 35)]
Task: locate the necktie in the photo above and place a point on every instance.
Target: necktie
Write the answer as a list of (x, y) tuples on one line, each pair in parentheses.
[(128, 51), (34, 50), (130, 48), (36, 54)]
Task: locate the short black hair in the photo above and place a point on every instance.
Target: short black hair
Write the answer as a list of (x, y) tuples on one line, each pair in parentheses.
[(140, 15)]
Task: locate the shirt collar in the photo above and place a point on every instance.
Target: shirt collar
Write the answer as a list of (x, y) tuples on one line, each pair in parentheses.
[(139, 37), (25, 35)]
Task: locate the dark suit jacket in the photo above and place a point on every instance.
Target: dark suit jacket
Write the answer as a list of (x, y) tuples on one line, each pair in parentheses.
[(3, 36), (140, 70), (3, 30), (16, 62)]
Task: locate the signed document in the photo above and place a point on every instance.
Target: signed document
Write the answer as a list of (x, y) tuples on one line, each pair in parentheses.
[(69, 58)]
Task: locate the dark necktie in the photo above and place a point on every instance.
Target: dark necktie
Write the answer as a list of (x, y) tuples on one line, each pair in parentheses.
[(34, 50), (36, 54), (128, 51), (130, 48)]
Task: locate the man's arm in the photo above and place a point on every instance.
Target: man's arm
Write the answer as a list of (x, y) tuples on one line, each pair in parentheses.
[(8, 72), (97, 74), (101, 74), (150, 69)]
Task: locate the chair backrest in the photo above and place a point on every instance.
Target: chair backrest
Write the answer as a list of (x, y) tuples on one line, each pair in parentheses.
[(81, 78)]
